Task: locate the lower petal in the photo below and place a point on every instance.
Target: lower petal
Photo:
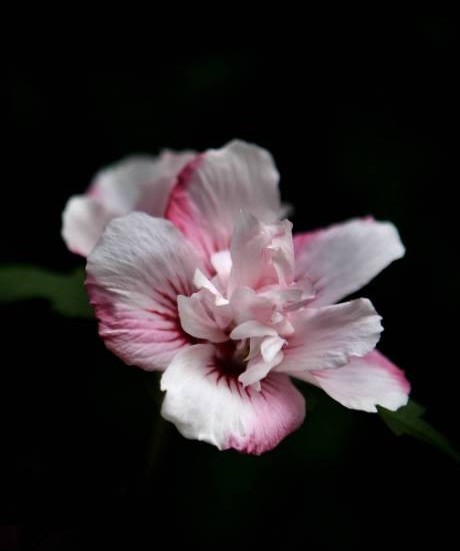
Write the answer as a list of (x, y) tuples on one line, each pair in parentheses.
[(207, 405), (365, 383)]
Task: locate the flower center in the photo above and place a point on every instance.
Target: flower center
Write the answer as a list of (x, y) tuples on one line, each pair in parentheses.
[(244, 308), (229, 359)]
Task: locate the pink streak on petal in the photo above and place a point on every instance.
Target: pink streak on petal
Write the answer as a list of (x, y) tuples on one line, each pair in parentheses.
[(184, 215), (206, 402), (134, 276)]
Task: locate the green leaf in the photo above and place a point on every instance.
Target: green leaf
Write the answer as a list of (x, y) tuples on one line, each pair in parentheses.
[(408, 420), (65, 292)]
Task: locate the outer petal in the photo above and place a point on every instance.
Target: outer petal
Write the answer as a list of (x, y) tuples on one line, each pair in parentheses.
[(341, 259), (365, 383), (214, 188), (135, 274), (207, 406), (328, 337), (135, 183), (141, 183), (83, 221)]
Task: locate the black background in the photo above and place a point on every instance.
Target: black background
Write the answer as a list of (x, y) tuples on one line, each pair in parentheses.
[(361, 119)]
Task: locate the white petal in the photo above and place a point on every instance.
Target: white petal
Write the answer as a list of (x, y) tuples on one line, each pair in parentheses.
[(207, 406), (202, 282), (341, 259), (270, 347), (222, 264), (365, 383), (135, 274), (328, 337), (83, 221)]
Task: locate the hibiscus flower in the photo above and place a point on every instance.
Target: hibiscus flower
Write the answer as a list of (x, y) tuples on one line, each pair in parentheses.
[(211, 288)]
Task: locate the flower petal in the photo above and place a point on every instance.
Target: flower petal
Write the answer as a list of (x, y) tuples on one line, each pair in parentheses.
[(214, 188), (83, 221), (328, 337), (262, 254), (205, 405), (140, 183), (365, 383), (135, 274), (341, 259), (196, 319), (135, 183)]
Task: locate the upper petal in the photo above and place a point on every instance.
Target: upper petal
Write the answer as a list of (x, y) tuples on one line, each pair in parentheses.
[(215, 187), (134, 277), (135, 183), (207, 406), (342, 258), (328, 337), (365, 383), (141, 183)]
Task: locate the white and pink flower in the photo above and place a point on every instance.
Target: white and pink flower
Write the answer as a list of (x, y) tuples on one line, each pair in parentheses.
[(211, 288)]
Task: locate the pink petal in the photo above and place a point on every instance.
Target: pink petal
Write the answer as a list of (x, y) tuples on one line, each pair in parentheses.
[(262, 254), (196, 319), (134, 277), (252, 328), (214, 188), (207, 406), (135, 183), (328, 337), (343, 258), (365, 383)]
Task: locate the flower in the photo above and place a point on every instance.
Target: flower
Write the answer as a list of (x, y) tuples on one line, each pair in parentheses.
[(220, 297), (140, 183)]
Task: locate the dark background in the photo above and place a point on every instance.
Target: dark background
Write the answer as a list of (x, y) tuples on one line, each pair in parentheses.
[(361, 119)]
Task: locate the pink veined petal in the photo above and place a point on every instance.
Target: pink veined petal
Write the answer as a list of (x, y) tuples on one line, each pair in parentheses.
[(343, 258), (134, 276), (328, 337), (207, 406), (83, 221), (365, 383), (134, 183), (214, 188)]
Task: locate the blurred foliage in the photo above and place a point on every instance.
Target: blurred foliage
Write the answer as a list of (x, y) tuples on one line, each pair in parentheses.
[(65, 292)]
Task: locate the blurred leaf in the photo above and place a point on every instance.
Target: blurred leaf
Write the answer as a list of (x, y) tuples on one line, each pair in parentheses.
[(408, 420), (65, 292)]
